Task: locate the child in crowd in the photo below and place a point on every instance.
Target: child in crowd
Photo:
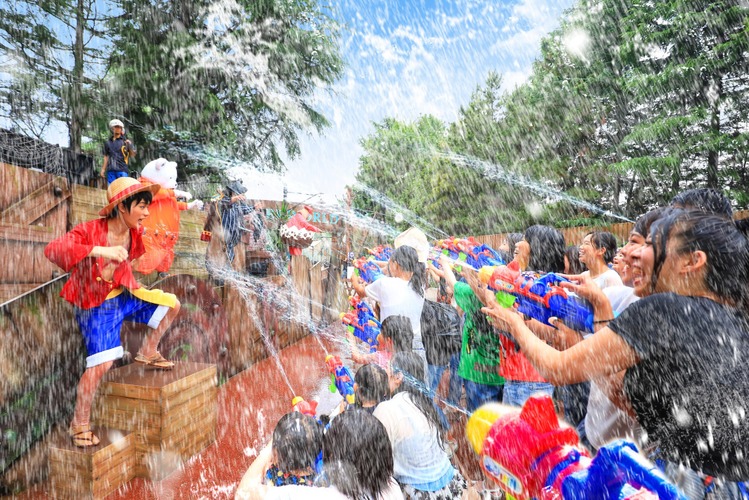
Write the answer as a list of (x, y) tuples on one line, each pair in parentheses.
[(287, 463), (480, 347), (370, 387), (400, 292), (572, 264), (396, 335), (421, 465), (358, 457)]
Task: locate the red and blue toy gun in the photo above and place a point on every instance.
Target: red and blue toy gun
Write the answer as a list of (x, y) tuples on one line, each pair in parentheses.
[(468, 251), (341, 378), (532, 457), (367, 330), (308, 408), (367, 269), (539, 297), (381, 252)]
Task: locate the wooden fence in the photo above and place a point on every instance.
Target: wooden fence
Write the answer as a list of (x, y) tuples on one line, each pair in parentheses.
[(575, 235)]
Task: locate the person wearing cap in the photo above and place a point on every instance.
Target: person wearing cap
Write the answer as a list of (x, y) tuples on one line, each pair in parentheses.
[(117, 153), (99, 255), (233, 207)]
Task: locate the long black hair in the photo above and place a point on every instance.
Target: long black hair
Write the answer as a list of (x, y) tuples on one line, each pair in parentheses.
[(727, 251), (372, 384), (411, 367), (407, 258), (357, 454), (605, 240), (398, 329), (572, 253), (706, 200), (547, 249)]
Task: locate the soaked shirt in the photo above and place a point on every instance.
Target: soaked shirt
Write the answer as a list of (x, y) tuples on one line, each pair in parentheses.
[(690, 389)]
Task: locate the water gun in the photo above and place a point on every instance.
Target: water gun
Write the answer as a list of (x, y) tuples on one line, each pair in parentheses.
[(532, 457), (381, 252), (308, 408), (539, 297), (367, 270), (366, 330), (468, 252), (341, 378)]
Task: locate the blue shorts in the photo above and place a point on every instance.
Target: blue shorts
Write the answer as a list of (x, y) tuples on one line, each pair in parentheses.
[(101, 325), (116, 174)]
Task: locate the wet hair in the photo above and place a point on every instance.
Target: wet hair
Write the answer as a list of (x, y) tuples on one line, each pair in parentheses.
[(573, 257), (372, 384), (130, 200), (605, 240), (706, 200), (411, 366), (399, 330), (297, 441), (407, 258), (512, 240), (643, 222), (547, 249), (358, 455), (727, 251)]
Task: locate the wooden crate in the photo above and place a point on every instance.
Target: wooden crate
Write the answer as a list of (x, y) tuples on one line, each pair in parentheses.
[(172, 413), (92, 472)]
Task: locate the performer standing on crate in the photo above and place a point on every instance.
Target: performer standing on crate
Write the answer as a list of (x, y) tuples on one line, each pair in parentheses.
[(99, 256)]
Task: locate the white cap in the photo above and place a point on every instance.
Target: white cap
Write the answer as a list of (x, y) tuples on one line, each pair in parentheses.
[(115, 123)]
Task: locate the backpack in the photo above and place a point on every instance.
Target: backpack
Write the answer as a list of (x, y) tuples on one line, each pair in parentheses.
[(441, 332)]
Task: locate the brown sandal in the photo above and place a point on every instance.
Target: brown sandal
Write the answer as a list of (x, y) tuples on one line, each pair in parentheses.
[(156, 360), (82, 435)]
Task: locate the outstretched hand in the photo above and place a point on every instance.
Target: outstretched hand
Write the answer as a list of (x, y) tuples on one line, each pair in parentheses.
[(504, 318), (583, 286)]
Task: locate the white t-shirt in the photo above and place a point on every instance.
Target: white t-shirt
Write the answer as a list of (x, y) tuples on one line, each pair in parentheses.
[(417, 455), (397, 298), (607, 279), (604, 421)]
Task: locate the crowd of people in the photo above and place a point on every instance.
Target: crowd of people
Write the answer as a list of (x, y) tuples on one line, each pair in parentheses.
[(663, 367)]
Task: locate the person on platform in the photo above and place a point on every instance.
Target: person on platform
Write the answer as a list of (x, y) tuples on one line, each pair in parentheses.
[(298, 223), (233, 206), (118, 151), (99, 256)]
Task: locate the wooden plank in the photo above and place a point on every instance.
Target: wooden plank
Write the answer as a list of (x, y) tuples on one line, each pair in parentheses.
[(26, 234), (40, 201), (316, 295)]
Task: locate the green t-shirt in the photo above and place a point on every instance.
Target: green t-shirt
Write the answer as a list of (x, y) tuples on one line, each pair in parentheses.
[(479, 354)]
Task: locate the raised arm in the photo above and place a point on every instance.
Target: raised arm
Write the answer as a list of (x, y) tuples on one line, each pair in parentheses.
[(599, 355)]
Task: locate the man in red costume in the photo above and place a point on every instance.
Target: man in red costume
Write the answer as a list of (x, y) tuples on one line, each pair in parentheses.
[(99, 255)]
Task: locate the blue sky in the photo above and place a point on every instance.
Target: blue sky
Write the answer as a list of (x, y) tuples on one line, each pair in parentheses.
[(408, 58)]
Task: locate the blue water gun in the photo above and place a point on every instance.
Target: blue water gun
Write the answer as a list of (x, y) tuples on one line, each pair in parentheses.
[(367, 330), (367, 269), (341, 378), (539, 297), (381, 252)]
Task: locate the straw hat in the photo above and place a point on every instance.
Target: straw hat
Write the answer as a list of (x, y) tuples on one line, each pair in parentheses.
[(123, 187), (414, 237)]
